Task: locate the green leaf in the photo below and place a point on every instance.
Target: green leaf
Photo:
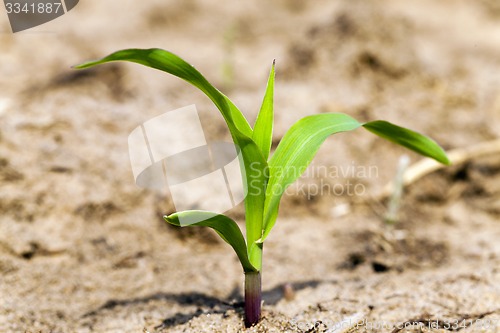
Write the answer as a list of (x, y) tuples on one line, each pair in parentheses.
[(295, 152), (171, 63), (257, 181), (409, 139), (263, 128), (255, 184), (227, 229)]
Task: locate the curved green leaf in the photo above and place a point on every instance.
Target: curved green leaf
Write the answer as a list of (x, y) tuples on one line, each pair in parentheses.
[(173, 64), (409, 139), (227, 229), (263, 128), (295, 152)]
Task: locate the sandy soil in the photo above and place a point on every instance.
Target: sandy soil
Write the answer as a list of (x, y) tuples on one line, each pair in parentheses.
[(82, 249)]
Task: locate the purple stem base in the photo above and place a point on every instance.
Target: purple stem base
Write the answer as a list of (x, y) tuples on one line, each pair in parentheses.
[(253, 298)]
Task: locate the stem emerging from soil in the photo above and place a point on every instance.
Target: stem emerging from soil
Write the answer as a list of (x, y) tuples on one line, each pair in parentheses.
[(253, 298)]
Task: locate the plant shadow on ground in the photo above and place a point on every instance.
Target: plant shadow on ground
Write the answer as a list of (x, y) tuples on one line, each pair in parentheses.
[(205, 304)]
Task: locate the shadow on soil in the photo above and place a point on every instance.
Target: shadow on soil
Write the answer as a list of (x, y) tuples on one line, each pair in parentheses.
[(206, 304)]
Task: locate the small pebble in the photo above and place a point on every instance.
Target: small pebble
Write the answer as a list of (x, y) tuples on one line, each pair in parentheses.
[(288, 292)]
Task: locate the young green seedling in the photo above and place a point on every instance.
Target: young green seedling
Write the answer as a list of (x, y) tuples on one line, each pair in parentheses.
[(269, 176)]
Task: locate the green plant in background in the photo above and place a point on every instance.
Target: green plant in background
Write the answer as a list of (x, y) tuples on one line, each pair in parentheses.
[(230, 36), (266, 177)]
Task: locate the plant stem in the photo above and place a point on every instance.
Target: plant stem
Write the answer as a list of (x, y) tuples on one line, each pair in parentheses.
[(253, 298)]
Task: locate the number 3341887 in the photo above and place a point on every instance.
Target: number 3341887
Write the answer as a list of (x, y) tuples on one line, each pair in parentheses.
[(33, 8)]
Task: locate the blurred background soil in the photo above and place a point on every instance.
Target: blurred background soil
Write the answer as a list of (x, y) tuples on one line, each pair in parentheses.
[(83, 249)]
